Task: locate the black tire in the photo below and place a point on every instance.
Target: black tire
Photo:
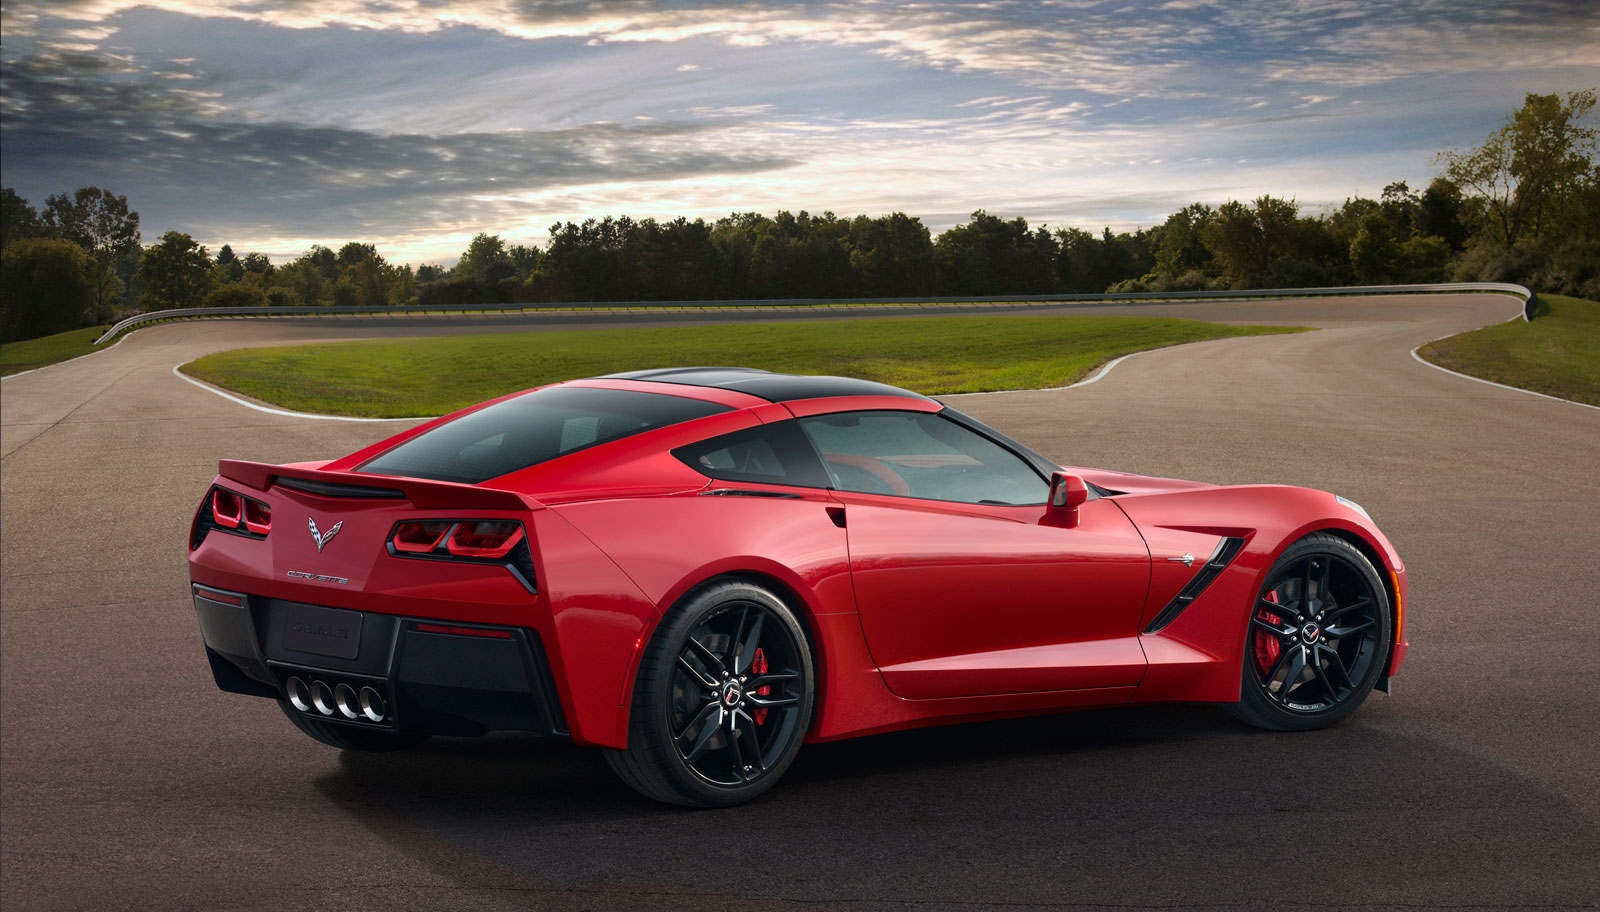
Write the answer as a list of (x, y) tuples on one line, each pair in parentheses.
[(685, 741), (1317, 640), (347, 737)]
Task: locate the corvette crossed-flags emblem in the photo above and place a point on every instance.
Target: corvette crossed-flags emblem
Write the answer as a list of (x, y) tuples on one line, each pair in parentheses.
[(320, 538)]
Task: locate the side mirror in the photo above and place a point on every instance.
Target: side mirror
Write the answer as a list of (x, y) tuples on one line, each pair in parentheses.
[(1067, 494)]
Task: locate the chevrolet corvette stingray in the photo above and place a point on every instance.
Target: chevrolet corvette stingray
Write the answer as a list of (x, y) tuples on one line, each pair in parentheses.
[(697, 570)]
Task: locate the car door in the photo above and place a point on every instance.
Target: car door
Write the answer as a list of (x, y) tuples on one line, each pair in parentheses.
[(960, 588)]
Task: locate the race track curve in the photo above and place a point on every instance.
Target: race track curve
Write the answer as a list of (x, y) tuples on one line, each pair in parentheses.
[(130, 782)]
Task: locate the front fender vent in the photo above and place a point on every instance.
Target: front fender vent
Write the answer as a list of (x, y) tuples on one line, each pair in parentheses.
[(1227, 550)]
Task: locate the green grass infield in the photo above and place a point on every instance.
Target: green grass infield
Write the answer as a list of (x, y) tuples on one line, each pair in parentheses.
[(401, 378), (29, 354), (1557, 353)]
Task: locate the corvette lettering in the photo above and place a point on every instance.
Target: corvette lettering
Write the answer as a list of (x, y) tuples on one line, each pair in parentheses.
[(318, 577)]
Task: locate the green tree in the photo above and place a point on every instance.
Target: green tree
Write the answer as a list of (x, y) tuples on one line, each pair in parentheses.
[(1374, 254), (302, 279), (991, 256), (483, 254), (1424, 257), (18, 219), (1247, 240), (354, 252), (1400, 207), (45, 288), (1180, 246), (236, 295), (1439, 213), (176, 272), (101, 223), (1528, 177), (525, 258), (345, 293)]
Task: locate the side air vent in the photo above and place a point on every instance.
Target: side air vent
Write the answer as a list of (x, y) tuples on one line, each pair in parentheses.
[(1227, 550), (335, 489)]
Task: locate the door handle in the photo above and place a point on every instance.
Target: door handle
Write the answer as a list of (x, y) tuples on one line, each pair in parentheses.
[(837, 515)]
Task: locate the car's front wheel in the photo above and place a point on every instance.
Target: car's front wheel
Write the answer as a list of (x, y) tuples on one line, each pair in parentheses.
[(1318, 637), (721, 701)]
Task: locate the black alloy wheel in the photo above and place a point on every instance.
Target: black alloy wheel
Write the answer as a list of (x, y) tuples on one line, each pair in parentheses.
[(1318, 637), (723, 699)]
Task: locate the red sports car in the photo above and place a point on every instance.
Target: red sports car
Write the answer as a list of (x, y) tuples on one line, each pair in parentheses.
[(698, 569)]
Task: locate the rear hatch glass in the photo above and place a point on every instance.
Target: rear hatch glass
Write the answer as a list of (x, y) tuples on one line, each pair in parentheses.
[(531, 429)]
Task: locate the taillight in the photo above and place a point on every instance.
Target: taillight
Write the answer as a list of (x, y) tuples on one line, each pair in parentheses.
[(488, 540), (420, 537), (231, 512), (479, 541), (225, 508), (257, 516), (475, 539)]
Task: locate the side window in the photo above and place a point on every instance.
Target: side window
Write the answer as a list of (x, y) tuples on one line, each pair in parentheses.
[(774, 453), (917, 454)]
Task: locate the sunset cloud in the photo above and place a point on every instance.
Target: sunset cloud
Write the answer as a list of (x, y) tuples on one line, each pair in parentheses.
[(416, 123)]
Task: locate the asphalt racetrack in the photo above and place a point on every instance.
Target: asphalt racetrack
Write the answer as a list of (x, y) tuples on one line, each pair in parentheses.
[(130, 782)]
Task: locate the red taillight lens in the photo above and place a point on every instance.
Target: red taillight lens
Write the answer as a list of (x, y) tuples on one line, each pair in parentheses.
[(257, 516), (420, 537), (225, 508), (465, 631), (484, 539)]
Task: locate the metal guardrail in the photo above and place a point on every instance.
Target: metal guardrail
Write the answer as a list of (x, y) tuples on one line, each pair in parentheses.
[(1152, 297)]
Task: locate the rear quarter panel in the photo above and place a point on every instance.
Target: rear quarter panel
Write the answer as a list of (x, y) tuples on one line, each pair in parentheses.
[(668, 545)]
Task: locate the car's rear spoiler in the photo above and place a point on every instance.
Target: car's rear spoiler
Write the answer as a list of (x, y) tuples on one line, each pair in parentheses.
[(423, 494)]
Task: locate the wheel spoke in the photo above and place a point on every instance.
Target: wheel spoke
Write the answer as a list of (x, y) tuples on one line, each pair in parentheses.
[(732, 661), (766, 680), (1336, 665), (770, 702), (1297, 667), (1281, 632), (1305, 588), (710, 718), (1327, 580), (1278, 667), (1322, 677), (699, 676), (1279, 608), (706, 655), (752, 642), (1341, 632), (733, 745), (754, 748), (1346, 609)]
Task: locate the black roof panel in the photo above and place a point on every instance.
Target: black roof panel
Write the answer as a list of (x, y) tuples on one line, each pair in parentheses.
[(765, 384)]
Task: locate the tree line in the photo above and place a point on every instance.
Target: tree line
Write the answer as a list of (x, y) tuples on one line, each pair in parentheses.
[(1524, 206)]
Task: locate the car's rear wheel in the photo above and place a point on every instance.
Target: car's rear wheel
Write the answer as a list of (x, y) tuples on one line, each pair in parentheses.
[(1318, 637), (722, 699), (347, 737)]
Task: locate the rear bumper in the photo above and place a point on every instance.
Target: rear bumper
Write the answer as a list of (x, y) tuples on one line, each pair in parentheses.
[(432, 677)]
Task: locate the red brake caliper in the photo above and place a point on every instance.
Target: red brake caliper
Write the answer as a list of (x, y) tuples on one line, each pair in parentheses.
[(1266, 645), (758, 666)]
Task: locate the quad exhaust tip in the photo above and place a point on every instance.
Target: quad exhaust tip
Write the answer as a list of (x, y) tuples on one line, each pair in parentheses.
[(342, 700)]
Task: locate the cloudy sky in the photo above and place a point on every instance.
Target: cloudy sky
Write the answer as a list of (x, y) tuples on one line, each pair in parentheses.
[(415, 124)]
